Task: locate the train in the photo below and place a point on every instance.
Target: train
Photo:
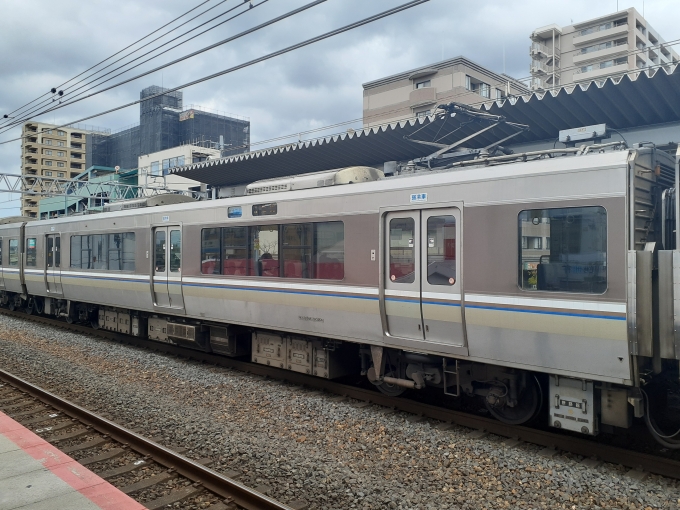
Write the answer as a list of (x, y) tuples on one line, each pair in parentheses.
[(545, 283)]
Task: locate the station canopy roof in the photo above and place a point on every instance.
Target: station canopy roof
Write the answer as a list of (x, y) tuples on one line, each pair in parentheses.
[(644, 99)]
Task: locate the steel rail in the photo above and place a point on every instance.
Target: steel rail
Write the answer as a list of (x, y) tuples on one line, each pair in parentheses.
[(211, 480), (588, 448)]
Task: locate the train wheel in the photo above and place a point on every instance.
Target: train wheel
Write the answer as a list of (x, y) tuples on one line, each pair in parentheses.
[(11, 305), (525, 410), (38, 305)]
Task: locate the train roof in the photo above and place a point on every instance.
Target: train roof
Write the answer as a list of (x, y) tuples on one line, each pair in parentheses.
[(410, 182)]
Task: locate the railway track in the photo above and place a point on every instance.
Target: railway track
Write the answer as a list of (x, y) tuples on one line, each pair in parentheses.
[(95, 442), (592, 450)]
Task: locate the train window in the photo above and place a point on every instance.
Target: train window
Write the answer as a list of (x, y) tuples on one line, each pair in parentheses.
[(329, 250), (100, 252), (297, 250), (265, 209), (402, 250), (441, 250), (210, 251), (264, 250), (235, 251), (0, 251), (13, 252), (49, 251), (159, 251), (571, 255), (122, 251), (31, 252), (76, 260), (57, 251), (175, 251)]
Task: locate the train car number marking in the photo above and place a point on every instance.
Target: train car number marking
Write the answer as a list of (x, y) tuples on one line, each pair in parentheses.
[(418, 197), (165, 218)]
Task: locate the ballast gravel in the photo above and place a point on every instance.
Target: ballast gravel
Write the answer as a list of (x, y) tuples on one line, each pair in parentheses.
[(297, 444)]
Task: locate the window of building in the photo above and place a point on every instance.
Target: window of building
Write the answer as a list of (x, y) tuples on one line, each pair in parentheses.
[(61, 144), (308, 250), (47, 152), (47, 162), (402, 250), (423, 84), (31, 252), (47, 131), (13, 252), (485, 90), (499, 94), (424, 113), (61, 133), (596, 28), (48, 173), (166, 166), (61, 164), (441, 250), (60, 174), (155, 168), (60, 153), (76, 155), (180, 160), (573, 257), (47, 142), (478, 86), (468, 82)]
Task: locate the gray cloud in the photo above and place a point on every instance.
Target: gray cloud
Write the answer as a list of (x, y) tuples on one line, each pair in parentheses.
[(42, 44)]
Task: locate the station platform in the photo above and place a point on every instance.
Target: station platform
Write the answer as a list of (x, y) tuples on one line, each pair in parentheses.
[(35, 475)]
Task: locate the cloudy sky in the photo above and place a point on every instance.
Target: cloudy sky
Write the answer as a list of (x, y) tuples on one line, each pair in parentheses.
[(43, 44)]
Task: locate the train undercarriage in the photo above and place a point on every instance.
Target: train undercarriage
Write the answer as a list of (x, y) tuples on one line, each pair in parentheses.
[(510, 395)]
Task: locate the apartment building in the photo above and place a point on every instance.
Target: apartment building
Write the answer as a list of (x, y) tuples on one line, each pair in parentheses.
[(608, 46), (154, 168), (49, 151), (416, 92)]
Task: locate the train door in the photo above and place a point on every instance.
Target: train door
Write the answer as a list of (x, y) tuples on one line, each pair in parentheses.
[(53, 262), (2, 277), (422, 284), (167, 267)]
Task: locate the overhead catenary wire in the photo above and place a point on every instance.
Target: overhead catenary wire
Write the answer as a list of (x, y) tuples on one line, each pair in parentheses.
[(190, 55), (117, 53), (332, 33), (26, 115)]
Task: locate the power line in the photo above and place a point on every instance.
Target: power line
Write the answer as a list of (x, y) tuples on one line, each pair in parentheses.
[(190, 55), (269, 56), (117, 53), (36, 107)]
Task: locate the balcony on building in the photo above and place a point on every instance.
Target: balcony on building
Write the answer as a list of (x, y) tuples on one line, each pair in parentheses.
[(76, 135), (75, 145), (539, 50), (595, 71), (539, 67), (601, 51), (601, 31), (32, 128)]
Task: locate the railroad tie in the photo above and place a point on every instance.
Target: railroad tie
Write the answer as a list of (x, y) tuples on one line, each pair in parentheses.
[(148, 482), (107, 455), (173, 497), (127, 468), (84, 446), (69, 435), (31, 411)]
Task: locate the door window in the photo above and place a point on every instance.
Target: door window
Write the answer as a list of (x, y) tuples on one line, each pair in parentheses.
[(402, 250), (441, 250), (50, 251), (57, 251), (175, 251), (13, 252), (160, 251)]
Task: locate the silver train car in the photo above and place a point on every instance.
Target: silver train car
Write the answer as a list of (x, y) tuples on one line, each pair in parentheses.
[(542, 283)]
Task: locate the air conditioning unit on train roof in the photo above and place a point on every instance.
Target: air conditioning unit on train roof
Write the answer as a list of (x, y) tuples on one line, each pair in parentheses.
[(156, 200), (347, 175)]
